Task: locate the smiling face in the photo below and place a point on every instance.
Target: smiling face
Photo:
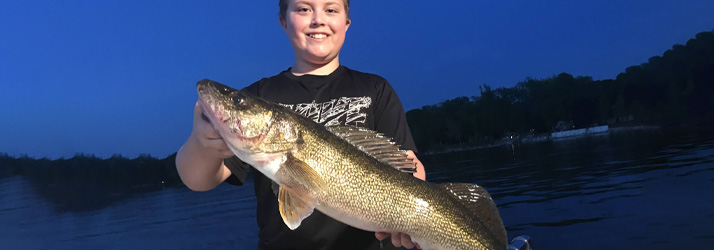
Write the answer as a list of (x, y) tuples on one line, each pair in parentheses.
[(316, 29)]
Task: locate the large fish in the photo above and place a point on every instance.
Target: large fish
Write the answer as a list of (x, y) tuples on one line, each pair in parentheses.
[(350, 174)]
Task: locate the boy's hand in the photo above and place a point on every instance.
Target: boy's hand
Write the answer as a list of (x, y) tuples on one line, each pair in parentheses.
[(398, 239), (419, 174), (206, 136)]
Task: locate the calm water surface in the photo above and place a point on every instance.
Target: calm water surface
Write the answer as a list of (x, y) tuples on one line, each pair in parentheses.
[(627, 190)]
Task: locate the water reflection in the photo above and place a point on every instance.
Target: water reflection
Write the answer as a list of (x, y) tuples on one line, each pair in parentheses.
[(173, 218), (635, 190), (649, 183)]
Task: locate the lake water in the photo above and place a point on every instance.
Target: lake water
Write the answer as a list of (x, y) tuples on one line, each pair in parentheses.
[(626, 190)]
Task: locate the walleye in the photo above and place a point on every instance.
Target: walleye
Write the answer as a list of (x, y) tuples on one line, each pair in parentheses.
[(350, 174)]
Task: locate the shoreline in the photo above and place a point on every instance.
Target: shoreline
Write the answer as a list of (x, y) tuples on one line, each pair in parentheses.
[(532, 139)]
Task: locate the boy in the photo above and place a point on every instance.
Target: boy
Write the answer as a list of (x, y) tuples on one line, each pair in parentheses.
[(318, 87)]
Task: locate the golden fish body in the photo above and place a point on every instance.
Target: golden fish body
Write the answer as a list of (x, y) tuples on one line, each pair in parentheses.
[(349, 174)]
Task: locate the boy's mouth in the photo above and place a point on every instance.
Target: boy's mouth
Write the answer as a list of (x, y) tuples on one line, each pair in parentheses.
[(317, 35)]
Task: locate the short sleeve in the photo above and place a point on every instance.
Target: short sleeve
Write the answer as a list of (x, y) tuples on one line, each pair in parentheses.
[(390, 118)]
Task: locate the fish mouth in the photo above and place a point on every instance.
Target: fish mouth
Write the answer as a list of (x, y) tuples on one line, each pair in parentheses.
[(216, 118), (219, 120), (211, 97)]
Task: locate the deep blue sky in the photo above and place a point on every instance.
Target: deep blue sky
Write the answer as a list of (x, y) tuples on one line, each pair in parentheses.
[(118, 77)]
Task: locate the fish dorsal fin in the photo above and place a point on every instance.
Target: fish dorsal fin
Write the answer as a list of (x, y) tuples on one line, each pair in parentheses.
[(376, 145), (480, 203)]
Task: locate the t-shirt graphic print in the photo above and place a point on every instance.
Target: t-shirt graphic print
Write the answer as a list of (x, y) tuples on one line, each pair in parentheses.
[(340, 111)]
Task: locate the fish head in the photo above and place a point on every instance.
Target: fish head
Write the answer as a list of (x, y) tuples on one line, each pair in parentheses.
[(242, 120)]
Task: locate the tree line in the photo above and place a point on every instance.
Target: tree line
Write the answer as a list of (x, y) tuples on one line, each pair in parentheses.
[(86, 182), (675, 89)]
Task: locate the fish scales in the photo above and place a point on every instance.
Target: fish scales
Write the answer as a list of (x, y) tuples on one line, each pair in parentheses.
[(317, 169), (362, 176)]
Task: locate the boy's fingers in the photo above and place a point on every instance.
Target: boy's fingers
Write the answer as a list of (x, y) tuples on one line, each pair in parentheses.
[(206, 135), (204, 126), (381, 235), (396, 239), (219, 147), (209, 132), (199, 114), (406, 241), (410, 155)]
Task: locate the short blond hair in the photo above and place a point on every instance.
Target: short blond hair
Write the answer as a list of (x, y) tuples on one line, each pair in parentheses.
[(283, 4)]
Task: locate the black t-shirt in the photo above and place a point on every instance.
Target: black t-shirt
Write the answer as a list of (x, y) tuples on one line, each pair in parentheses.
[(344, 97)]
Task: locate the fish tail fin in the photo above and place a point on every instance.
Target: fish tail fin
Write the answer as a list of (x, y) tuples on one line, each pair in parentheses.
[(479, 202)]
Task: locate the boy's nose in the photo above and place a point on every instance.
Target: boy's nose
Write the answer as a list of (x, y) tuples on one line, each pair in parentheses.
[(317, 19)]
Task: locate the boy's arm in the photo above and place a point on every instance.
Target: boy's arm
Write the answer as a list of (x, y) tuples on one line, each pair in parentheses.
[(200, 160)]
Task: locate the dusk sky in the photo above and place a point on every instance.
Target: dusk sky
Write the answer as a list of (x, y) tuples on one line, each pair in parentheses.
[(118, 77)]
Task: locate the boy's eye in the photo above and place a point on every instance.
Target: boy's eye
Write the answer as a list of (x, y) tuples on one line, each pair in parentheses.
[(331, 10), (303, 9)]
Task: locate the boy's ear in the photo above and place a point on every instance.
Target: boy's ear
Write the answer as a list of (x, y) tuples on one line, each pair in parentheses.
[(349, 21), (282, 22)]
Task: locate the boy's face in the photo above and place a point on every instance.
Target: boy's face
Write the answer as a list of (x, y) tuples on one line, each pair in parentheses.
[(316, 29)]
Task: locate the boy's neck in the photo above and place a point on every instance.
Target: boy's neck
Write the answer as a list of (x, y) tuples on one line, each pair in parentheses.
[(307, 68)]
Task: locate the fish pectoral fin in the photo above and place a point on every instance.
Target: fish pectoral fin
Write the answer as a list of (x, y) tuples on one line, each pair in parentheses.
[(479, 201), (294, 207), (302, 173)]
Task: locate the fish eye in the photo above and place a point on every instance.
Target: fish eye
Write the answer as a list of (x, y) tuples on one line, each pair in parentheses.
[(237, 100)]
